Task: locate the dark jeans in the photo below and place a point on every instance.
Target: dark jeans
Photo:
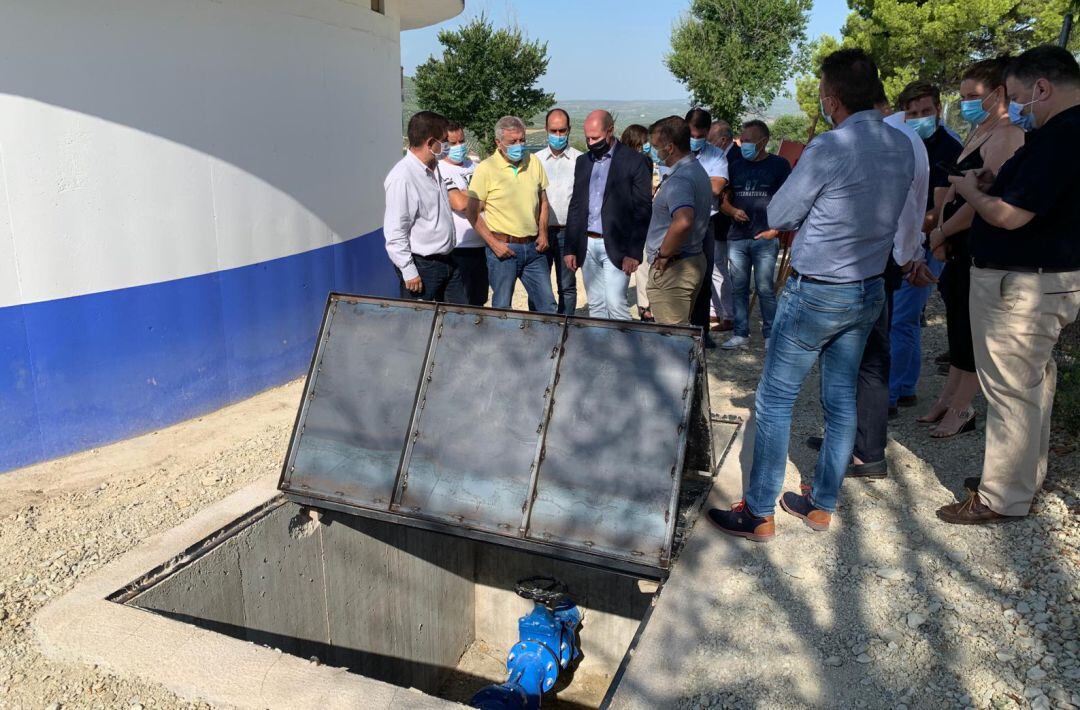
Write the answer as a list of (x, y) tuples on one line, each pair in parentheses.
[(872, 401), (440, 278), (472, 265), (815, 323), (567, 279), (528, 265), (699, 313)]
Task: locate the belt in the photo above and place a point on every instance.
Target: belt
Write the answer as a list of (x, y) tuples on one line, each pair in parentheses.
[(810, 279), (980, 264), (433, 257), (594, 235), (507, 239)]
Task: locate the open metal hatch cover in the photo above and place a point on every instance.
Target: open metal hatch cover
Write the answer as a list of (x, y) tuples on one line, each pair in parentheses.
[(563, 436)]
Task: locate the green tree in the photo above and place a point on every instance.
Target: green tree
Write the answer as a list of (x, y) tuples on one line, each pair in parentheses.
[(790, 128), (806, 86), (484, 73), (935, 40), (735, 55)]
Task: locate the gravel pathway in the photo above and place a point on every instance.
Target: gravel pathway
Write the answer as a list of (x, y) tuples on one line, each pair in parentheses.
[(891, 609)]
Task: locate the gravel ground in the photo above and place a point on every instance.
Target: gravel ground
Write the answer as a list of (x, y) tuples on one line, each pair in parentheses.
[(893, 608)]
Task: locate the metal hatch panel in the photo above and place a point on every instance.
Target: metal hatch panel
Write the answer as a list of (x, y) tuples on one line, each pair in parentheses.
[(479, 418), (358, 401), (615, 442), (563, 436)]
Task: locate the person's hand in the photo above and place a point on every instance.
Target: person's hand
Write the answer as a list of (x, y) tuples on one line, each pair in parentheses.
[(502, 251), (768, 234), (740, 215), (920, 275), (414, 285), (985, 179), (542, 243), (571, 262), (629, 265), (939, 253), (971, 181), (660, 264)]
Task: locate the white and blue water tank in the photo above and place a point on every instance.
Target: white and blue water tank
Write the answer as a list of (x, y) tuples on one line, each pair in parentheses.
[(182, 182)]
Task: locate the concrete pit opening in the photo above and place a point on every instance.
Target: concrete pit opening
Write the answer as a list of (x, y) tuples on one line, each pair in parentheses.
[(415, 608)]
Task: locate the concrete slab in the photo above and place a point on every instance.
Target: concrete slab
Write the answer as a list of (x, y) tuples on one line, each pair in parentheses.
[(198, 664)]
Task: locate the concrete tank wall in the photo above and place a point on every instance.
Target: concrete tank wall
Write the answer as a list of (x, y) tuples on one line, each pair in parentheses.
[(181, 184)]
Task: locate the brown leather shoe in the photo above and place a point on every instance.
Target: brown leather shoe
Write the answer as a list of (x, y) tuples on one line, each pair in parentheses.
[(800, 505), (972, 511)]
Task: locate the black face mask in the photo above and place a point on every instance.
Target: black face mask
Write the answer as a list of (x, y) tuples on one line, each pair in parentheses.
[(599, 148)]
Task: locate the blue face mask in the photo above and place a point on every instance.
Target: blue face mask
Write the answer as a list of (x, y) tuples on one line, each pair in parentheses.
[(973, 112), (655, 156), (1023, 120), (458, 152), (696, 144), (514, 153), (557, 142), (647, 148), (748, 150), (924, 126)]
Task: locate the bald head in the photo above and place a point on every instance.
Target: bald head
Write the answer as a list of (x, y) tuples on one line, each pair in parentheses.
[(720, 134), (599, 130)]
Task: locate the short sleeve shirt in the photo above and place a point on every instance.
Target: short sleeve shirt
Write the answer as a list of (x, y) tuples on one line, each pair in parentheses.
[(753, 184), (941, 149), (457, 177), (1041, 177), (510, 193), (686, 185)]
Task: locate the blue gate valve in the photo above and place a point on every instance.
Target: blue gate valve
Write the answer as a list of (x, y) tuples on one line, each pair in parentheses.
[(547, 644)]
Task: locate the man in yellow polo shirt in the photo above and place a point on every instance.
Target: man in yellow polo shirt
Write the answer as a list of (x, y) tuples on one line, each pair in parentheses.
[(509, 188)]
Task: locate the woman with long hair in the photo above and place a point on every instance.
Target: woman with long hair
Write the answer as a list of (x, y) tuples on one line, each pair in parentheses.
[(992, 140)]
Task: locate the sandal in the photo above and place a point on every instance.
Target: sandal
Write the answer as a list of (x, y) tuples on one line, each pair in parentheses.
[(932, 419), (968, 415)]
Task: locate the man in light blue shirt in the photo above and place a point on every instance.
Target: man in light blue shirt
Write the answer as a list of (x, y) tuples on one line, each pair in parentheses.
[(845, 197)]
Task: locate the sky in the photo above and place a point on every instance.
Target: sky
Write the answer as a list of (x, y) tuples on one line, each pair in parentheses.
[(629, 36)]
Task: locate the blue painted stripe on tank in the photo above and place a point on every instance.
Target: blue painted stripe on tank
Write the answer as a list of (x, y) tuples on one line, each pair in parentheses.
[(84, 371)]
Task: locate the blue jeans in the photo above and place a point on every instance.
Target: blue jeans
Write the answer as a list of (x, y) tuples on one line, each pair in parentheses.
[(605, 283), (905, 349), (760, 255), (566, 279), (814, 322), (528, 265)]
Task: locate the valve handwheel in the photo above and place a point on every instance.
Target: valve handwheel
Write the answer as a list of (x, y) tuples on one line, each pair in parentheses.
[(547, 591)]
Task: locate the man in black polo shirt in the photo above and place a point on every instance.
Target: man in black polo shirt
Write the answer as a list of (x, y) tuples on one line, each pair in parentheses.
[(1025, 281)]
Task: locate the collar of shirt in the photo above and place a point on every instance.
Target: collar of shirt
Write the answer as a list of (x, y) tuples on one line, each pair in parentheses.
[(549, 154), (421, 166), (682, 162), (518, 166), (871, 114)]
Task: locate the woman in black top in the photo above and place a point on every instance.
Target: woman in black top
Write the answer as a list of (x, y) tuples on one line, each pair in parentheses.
[(992, 140), (636, 137)]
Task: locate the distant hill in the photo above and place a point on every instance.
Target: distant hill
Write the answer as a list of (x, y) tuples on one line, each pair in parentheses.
[(625, 112)]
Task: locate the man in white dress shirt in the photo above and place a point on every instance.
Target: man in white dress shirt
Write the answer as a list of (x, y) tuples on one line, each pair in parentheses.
[(418, 224), (558, 159)]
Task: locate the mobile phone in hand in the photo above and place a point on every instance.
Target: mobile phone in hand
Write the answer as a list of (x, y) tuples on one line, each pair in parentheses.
[(949, 168)]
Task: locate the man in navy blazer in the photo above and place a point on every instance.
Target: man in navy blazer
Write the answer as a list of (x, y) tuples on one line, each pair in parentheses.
[(608, 217)]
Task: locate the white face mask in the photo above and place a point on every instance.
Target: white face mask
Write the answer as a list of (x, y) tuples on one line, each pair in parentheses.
[(441, 153)]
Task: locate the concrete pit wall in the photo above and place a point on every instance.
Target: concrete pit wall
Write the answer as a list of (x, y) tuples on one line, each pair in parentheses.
[(390, 602)]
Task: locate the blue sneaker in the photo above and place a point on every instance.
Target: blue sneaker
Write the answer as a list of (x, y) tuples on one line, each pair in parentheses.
[(741, 522), (800, 506)]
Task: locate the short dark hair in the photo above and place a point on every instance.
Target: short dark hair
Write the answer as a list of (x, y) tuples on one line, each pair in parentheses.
[(1047, 61), (699, 118), (452, 126), (917, 90), (557, 110), (634, 136), (424, 126), (760, 125), (674, 130), (989, 72), (852, 77)]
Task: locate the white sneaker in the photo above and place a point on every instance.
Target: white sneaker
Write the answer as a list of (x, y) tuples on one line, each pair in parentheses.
[(735, 341)]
